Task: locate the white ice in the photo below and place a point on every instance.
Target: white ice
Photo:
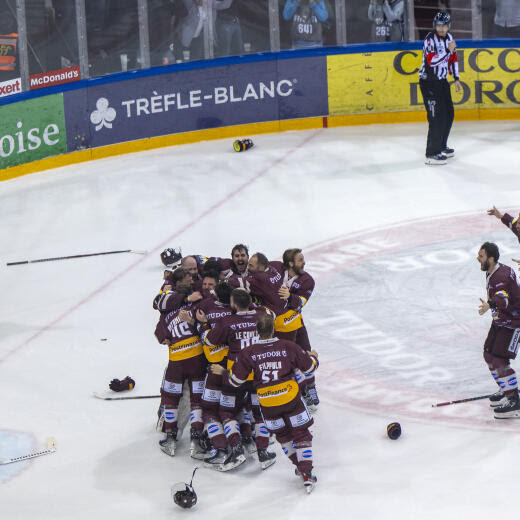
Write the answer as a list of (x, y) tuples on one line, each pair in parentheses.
[(293, 189)]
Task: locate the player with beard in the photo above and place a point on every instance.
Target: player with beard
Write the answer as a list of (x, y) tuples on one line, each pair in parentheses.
[(297, 288), (501, 345), (263, 282), (273, 363), (236, 265), (169, 299), (186, 363)]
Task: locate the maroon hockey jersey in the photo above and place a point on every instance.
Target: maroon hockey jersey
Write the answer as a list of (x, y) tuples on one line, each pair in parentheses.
[(181, 337), (273, 363), (504, 296)]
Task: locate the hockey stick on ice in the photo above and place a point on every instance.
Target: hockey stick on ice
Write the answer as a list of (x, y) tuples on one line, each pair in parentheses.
[(125, 397), (51, 448), (135, 251), (467, 400)]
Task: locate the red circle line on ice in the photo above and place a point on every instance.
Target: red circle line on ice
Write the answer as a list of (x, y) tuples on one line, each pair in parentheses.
[(349, 388)]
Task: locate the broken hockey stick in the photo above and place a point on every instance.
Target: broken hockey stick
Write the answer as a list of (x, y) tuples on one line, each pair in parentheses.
[(124, 398), (135, 251), (467, 400), (51, 448)]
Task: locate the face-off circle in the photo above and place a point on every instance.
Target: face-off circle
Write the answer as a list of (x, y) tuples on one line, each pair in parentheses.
[(395, 316)]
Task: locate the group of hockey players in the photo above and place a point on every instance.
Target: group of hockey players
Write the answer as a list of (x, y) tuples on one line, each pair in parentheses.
[(237, 341)]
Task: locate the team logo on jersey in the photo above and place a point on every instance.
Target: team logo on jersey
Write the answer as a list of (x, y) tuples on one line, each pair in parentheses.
[(103, 115)]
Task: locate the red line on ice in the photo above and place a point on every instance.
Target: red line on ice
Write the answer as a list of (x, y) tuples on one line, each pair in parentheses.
[(187, 226)]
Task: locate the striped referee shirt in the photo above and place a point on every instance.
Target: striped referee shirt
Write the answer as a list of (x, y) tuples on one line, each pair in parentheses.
[(438, 61)]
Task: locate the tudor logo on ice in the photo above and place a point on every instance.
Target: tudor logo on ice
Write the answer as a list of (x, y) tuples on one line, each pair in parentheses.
[(103, 115)]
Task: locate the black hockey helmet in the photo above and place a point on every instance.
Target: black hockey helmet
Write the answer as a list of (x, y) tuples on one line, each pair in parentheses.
[(442, 19), (171, 257), (186, 497)]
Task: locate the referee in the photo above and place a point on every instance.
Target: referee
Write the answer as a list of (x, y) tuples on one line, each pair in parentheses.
[(439, 60)]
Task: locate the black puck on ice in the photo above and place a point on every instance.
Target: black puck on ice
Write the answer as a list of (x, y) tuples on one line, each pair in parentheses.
[(393, 430)]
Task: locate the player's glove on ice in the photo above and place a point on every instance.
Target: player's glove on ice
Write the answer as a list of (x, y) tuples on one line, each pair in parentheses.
[(118, 386)]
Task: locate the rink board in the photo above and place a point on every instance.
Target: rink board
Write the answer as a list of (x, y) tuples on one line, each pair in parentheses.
[(235, 97)]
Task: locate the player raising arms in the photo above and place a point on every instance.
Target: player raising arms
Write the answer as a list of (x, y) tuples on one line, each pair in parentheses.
[(501, 344), (511, 222), (273, 363)]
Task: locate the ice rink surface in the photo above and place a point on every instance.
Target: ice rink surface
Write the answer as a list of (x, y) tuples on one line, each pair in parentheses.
[(392, 246)]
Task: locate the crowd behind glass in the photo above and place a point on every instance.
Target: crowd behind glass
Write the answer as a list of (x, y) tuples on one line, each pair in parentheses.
[(189, 30)]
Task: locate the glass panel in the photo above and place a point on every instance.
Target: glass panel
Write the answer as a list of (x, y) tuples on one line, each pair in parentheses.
[(500, 19), (307, 23), (52, 42), (241, 27), (375, 20), (9, 61), (459, 10), (112, 36)]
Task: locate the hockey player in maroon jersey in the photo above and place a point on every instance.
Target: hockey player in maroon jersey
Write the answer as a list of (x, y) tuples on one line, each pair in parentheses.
[(273, 363), (238, 331), (297, 288), (263, 281), (208, 312), (501, 345), (513, 223), (186, 363), (170, 299)]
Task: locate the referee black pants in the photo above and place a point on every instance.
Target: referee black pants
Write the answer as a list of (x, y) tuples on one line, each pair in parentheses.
[(439, 108)]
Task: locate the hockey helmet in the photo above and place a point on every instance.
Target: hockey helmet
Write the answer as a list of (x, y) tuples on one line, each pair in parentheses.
[(442, 19), (171, 257), (184, 495)]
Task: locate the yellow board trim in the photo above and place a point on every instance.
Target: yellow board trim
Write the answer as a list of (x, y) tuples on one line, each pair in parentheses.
[(311, 123)]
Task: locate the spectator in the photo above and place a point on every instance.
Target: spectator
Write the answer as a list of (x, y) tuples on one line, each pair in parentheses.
[(307, 18), (229, 31), (9, 67), (507, 19), (191, 27), (388, 20)]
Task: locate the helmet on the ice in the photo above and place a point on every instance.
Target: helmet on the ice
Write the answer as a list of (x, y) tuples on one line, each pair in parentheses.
[(186, 498), (183, 494)]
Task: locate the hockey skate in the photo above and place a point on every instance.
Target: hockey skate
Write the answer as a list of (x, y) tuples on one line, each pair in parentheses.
[(235, 458), (266, 458), (199, 446), (448, 152), (309, 481), (310, 397), (313, 398), (169, 443), (497, 399), (440, 158), (249, 446), (216, 458), (511, 410)]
